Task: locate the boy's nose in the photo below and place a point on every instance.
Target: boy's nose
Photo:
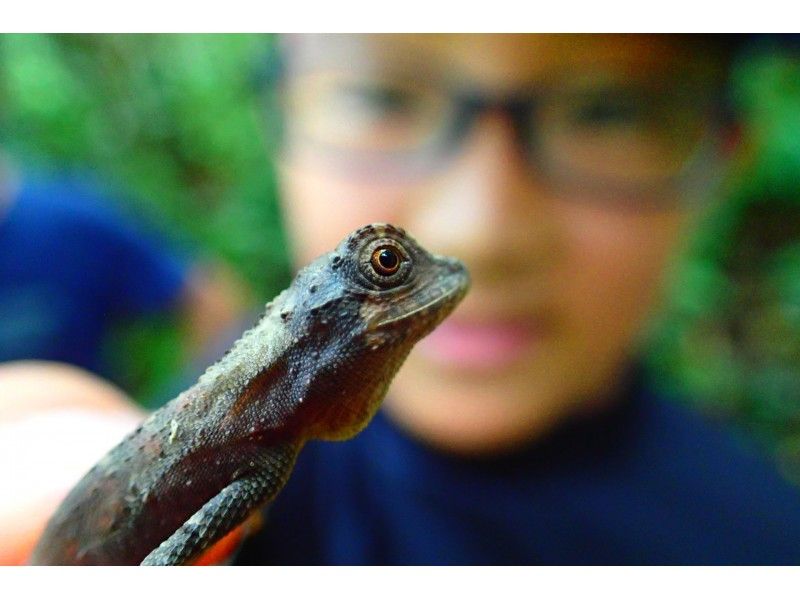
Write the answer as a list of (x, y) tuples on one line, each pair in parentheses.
[(487, 207)]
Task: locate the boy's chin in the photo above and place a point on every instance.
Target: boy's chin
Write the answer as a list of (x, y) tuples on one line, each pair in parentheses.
[(472, 416)]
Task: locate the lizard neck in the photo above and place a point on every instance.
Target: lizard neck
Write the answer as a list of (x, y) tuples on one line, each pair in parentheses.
[(240, 395)]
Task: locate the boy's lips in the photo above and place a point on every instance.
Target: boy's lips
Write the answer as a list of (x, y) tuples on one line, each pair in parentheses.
[(483, 345)]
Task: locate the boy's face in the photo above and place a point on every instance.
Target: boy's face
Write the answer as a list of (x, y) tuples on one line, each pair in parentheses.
[(558, 168)]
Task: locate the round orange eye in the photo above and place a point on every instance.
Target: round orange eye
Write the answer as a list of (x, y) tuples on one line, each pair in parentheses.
[(385, 261)]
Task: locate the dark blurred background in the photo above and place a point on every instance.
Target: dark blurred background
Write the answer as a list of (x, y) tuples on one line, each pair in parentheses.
[(172, 128)]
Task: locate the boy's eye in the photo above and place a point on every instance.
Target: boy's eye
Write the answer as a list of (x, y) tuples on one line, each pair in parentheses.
[(367, 115), (378, 98), (376, 102), (610, 110)]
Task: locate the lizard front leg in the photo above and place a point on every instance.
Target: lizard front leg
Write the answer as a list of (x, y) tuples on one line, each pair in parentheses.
[(226, 510)]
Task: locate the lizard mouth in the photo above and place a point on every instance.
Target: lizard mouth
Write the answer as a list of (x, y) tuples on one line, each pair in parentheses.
[(447, 300), (425, 312)]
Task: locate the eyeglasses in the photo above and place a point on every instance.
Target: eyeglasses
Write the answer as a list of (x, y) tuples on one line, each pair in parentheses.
[(586, 134)]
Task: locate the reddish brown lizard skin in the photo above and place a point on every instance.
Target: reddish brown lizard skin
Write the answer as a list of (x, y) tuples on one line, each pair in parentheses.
[(315, 366)]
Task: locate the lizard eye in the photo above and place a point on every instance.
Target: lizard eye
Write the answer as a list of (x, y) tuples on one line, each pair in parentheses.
[(385, 261), (385, 264)]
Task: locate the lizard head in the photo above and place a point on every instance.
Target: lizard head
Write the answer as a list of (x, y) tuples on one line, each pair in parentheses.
[(363, 307), (404, 290)]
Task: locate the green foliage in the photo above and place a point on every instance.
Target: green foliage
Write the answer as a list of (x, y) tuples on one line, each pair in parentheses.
[(172, 123), (175, 120), (730, 337)]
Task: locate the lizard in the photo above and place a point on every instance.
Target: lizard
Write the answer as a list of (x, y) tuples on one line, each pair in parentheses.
[(315, 366)]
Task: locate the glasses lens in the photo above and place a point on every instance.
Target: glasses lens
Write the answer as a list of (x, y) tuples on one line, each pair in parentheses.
[(584, 134), (360, 117), (630, 135)]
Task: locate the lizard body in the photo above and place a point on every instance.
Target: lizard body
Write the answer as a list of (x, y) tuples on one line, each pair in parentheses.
[(315, 366)]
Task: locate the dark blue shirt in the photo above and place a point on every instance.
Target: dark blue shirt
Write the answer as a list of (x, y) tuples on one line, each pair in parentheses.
[(648, 482), (69, 267)]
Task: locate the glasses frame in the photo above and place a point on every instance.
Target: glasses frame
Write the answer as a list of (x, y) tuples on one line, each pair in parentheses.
[(701, 171)]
